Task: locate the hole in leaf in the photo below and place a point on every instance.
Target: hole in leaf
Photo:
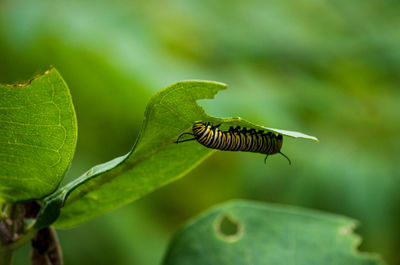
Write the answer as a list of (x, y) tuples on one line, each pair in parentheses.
[(228, 229)]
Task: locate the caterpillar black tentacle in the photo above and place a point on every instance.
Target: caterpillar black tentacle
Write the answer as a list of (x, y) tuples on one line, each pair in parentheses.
[(177, 140), (290, 162), (236, 139)]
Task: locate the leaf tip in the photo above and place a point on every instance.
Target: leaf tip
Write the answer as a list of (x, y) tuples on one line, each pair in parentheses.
[(314, 139), (51, 69)]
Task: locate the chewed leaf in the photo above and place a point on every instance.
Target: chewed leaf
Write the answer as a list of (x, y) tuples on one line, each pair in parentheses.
[(244, 232), (154, 161), (38, 134)]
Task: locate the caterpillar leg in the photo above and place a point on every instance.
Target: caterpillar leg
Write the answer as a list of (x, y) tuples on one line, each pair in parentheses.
[(236, 129), (177, 140), (252, 131), (265, 159)]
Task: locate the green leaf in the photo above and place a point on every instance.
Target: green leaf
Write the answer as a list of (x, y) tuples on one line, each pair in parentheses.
[(154, 161), (38, 134), (244, 232)]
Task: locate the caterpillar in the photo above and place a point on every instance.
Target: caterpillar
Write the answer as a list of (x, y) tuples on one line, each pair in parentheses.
[(236, 139)]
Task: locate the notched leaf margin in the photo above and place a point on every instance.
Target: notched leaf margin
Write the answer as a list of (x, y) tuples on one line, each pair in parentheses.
[(30, 80), (59, 197)]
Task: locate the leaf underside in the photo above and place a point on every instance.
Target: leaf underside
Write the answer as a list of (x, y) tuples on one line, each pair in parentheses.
[(267, 234), (38, 135), (154, 161)]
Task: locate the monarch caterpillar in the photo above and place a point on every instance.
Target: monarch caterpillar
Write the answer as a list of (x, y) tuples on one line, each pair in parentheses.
[(236, 139)]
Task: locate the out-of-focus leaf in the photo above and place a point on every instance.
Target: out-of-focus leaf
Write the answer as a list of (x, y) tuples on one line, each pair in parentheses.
[(154, 161), (243, 232), (37, 136)]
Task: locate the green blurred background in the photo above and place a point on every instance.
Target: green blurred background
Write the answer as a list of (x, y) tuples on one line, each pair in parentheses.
[(326, 68)]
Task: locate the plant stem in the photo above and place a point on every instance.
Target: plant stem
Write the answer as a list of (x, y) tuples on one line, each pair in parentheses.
[(24, 239), (2, 215), (5, 234), (5, 254), (45, 248)]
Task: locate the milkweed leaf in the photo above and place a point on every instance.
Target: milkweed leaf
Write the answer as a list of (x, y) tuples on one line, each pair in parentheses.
[(154, 161), (245, 232), (38, 135)]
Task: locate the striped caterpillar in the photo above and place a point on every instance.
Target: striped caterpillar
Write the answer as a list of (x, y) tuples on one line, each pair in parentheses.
[(236, 139)]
